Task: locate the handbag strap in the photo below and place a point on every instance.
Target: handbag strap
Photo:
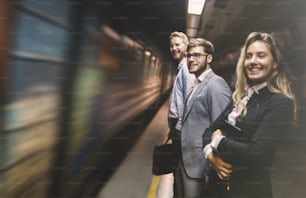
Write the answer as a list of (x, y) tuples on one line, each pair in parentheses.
[(168, 137)]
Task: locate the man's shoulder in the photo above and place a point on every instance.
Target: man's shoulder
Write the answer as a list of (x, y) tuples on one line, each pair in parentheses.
[(185, 72), (215, 77), (217, 82)]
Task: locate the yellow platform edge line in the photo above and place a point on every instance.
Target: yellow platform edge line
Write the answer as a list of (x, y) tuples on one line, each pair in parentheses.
[(153, 187)]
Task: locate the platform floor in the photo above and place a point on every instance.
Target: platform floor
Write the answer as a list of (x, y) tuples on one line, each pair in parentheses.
[(133, 178)]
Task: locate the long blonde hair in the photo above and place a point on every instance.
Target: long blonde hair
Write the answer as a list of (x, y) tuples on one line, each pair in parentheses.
[(277, 82)]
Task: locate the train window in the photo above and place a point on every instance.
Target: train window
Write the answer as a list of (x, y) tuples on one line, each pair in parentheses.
[(33, 35), (56, 9), (26, 74)]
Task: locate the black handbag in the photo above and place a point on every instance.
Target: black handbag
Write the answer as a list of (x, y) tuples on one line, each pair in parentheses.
[(164, 159)]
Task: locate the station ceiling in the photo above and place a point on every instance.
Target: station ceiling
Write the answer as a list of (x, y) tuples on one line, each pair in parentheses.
[(155, 19), (224, 22), (227, 22)]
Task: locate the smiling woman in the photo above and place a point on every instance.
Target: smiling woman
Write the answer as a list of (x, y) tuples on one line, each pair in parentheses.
[(259, 62), (242, 163)]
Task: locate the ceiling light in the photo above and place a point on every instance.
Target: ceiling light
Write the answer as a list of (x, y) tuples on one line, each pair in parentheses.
[(195, 6)]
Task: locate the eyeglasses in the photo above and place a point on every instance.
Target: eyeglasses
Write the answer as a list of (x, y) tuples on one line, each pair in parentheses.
[(195, 55)]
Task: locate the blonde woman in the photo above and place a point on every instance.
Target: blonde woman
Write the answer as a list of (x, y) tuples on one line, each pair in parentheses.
[(245, 136)]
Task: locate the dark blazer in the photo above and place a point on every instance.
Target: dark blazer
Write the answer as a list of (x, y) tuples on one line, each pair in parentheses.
[(206, 104), (250, 151)]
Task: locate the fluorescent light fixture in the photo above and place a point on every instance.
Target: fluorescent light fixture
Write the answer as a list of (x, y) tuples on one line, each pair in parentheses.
[(195, 6)]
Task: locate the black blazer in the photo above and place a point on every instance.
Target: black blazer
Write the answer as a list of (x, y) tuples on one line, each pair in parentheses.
[(250, 146)]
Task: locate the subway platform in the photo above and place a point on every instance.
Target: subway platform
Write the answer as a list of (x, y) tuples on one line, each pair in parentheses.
[(134, 179)]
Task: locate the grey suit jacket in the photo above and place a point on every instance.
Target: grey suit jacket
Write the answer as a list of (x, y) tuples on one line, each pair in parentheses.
[(205, 105)]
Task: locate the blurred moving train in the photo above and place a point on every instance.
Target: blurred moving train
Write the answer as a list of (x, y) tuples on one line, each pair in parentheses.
[(70, 82), (74, 73)]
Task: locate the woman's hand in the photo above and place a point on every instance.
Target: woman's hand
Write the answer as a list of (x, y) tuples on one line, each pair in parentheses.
[(216, 133), (223, 169)]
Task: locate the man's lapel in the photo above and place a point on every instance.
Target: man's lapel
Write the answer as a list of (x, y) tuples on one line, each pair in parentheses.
[(188, 106)]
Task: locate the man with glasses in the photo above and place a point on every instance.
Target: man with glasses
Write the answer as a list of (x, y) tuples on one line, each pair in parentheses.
[(209, 96)]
